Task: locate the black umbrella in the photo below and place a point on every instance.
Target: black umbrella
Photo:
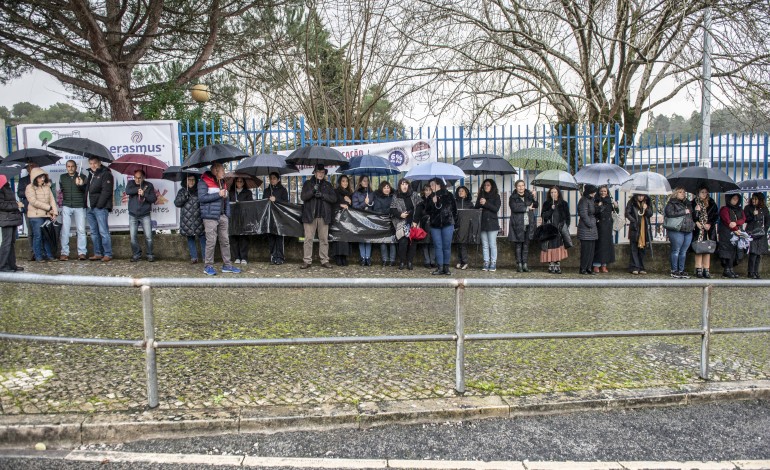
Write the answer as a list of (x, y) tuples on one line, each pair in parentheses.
[(10, 170), (315, 155), (216, 153), (696, 177), (752, 186), (86, 148), (50, 230), (485, 164), (40, 157), (176, 173), (264, 164)]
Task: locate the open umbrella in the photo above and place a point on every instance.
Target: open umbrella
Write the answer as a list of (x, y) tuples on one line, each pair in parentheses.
[(485, 164), (558, 178), (40, 157), (696, 177), (129, 163), (535, 158), (368, 165), (430, 170), (752, 186), (602, 174), (176, 173), (647, 182), (215, 153), (315, 155), (10, 170), (251, 181), (86, 148), (264, 164)]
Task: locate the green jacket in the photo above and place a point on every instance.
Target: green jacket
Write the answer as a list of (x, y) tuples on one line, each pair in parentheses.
[(74, 195)]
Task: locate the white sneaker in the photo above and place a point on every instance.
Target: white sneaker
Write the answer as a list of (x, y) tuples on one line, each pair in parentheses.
[(237, 261), (243, 261), (458, 265)]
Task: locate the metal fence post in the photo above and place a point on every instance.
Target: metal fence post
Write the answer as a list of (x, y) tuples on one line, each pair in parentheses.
[(149, 347), (706, 337), (460, 342)]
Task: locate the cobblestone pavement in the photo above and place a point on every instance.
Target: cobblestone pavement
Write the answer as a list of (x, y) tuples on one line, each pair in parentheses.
[(48, 378)]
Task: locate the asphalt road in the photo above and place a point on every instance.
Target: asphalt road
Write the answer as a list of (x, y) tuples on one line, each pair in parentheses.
[(708, 432)]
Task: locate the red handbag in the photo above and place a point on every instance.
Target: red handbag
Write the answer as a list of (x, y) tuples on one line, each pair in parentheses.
[(417, 234)]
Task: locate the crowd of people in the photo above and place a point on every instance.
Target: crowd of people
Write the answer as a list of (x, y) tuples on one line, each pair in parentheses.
[(695, 225)]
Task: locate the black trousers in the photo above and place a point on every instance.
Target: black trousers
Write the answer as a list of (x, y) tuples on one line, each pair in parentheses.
[(462, 253), (406, 250), (587, 249), (275, 243), (7, 252), (522, 251), (637, 258), (754, 262), (239, 247)]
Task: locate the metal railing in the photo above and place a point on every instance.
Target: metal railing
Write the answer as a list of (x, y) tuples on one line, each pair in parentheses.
[(459, 337)]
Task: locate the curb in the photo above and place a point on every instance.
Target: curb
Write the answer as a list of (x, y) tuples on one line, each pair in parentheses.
[(62, 430)]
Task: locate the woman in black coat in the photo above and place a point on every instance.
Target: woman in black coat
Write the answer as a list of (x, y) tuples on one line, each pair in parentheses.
[(383, 198), (341, 250), (463, 201), (10, 219), (555, 212), (521, 226), (605, 244), (638, 213), (587, 232), (190, 221), (404, 216), (276, 192), (488, 200), (442, 210), (239, 244), (705, 214), (731, 220), (757, 225)]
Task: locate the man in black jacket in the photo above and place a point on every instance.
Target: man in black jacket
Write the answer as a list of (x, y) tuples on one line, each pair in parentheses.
[(318, 197), (73, 188), (141, 197), (99, 187)]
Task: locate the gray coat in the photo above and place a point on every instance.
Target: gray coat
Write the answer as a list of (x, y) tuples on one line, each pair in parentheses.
[(586, 229)]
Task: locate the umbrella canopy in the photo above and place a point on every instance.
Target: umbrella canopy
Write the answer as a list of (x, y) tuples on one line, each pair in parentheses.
[(485, 164), (86, 148), (10, 170), (602, 174), (129, 163), (251, 181), (647, 182), (430, 170), (752, 186), (40, 157), (215, 153), (560, 179), (176, 173), (315, 155), (264, 164), (696, 177), (538, 159), (368, 165)]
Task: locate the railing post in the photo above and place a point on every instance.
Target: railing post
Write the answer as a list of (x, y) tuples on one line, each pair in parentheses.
[(460, 342), (149, 347), (706, 337)]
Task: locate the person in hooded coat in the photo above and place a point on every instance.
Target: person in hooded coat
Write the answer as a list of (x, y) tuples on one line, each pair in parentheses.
[(605, 244), (341, 250), (731, 220), (587, 231), (10, 219), (638, 214), (757, 222), (521, 225), (705, 214), (363, 200), (276, 192), (403, 215), (488, 200), (463, 201), (190, 222), (42, 207), (383, 198)]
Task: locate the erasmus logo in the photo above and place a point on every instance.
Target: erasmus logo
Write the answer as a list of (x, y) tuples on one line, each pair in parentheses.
[(136, 137)]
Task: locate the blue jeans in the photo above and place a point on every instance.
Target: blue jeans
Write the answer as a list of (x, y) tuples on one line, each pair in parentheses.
[(680, 242), (489, 246), (192, 247), (365, 250), (388, 251), (37, 239), (442, 243), (66, 223), (100, 231), (133, 230)]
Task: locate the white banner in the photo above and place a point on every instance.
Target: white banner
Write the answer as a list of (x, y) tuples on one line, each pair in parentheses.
[(404, 154), (159, 139)]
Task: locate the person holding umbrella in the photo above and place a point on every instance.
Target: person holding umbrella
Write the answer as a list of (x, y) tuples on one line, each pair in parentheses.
[(488, 200), (215, 212), (731, 220), (190, 222), (21, 192), (522, 223), (638, 214), (99, 187), (605, 244), (383, 198), (463, 200), (587, 231), (344, 192), (42, 206), (318, 197), (757, 225), (442, 210), (275, 192), (10, 219), (239, 244), (363, 199), (679, 225), (402, 214), (705, 213), (555, 212), (428, 253), (73, 188), (141, 196)]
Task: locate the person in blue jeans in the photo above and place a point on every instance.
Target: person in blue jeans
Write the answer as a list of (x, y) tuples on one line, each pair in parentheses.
[(99, 188), (363, 199), (488, 201), (41, 207), (190, 222), (681, 238), (442, 209)]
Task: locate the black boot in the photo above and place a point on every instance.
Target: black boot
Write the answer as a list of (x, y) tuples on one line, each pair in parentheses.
[(439, 270), (699, 273), (706, 273), (524, 267), (518, 268), (446, 270)]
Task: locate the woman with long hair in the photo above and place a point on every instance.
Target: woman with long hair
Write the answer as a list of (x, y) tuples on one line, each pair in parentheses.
[(423, 220), (402, 214), (463, 201), (731, 219), (757, 225), (443, 214), (239, 244), (521, 226), (681, 238), (638, 213), (488, 200), (341, 250), (587, 232), (555, 212), (275, 192), (605, 244), (705, 214), (383, 198), (363, 199)]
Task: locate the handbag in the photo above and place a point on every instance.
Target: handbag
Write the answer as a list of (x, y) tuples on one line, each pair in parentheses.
[(617, 222), (565, 236), (758, 232), (674, 223), (417, 234), (546, 232), (704, 246)]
